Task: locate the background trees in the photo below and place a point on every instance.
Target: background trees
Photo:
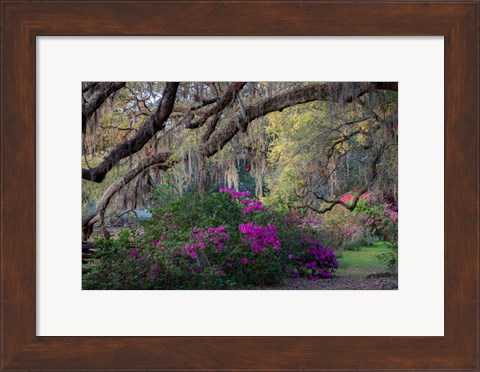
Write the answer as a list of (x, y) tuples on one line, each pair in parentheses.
[(301, 145)]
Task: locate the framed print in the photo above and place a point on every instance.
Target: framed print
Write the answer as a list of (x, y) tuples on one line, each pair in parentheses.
[(375, 305), (57, 54)]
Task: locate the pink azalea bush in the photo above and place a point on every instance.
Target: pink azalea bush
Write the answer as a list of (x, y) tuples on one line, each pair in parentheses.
[(373, 217), (213, 238), (260, 237), (252, 205), (317, 261), (219, 241), (235, 194)]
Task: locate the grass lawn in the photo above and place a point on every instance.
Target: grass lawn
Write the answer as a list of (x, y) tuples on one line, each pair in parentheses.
[(359, 264)]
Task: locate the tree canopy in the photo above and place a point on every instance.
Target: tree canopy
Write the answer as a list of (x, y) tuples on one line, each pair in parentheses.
[(298, 145)]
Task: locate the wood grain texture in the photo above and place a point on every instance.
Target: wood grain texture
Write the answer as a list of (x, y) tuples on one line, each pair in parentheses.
[(23, 21)]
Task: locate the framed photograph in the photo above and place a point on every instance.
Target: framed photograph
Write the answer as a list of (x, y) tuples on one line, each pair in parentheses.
[(264, 185), (247, 185)]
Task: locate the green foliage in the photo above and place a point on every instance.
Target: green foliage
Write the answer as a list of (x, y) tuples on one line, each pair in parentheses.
[(163, 253), (363, 261), (194, 210), (294, 147), (340, 227), (356, 244), (93, 191), (391, 256), (377, 219), (115, 268)]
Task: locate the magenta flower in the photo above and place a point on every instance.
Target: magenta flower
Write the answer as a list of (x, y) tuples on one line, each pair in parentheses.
[(235, 194), (212, 237), (318, 261), (260, 237), (252, 205), (244, 260)]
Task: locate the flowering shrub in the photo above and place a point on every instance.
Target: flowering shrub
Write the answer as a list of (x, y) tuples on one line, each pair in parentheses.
[(124, 263), (347, 197), (317, 261), (235, 194), (373, 218), (219, 241), (260, 237), (252, 205), (341, 226), (380, 219), (212, 236)]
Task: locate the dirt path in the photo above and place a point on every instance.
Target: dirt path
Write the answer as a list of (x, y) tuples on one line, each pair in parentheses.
[(338, 284)]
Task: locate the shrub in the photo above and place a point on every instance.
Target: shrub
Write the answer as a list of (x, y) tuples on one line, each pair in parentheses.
[(391, 257), (218, 241), (372, 218), (317, 261), (125, 263), (340, 226), (380, 218), (356, 244)]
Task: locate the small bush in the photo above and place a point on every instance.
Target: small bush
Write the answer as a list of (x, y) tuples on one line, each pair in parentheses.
[(124, 263), (391, 257)]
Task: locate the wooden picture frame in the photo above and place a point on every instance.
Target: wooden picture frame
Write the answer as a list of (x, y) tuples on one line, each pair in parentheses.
[(23, 21)]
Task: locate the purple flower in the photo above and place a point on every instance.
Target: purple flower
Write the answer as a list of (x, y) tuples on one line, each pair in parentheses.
[(244, 260), (211, 237), (260, 237), (318, 261), (235, 194), (252, 205), (134, 253)]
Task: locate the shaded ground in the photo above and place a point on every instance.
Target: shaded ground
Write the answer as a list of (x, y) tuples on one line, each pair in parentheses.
[(338, 284)]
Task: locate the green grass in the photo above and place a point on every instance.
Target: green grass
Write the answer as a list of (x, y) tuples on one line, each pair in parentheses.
[(360, 263)]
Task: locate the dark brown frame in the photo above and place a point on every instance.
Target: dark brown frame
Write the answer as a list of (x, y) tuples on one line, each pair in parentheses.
[(22, 21)]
